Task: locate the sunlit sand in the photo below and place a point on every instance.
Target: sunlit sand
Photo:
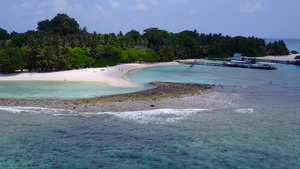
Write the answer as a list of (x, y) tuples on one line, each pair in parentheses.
[(111, 76)]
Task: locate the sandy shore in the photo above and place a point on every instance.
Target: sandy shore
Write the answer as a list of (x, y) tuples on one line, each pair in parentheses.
[(164, 96), (290, 57), (112, 76)]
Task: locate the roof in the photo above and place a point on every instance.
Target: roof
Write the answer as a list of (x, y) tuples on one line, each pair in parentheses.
[(297, 57), (141, 47)]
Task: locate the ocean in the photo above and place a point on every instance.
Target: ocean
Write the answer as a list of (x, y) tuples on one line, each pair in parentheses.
[(259, 129)]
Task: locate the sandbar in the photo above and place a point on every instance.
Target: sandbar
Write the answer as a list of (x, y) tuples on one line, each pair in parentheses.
[(111, 76), (165, 96)]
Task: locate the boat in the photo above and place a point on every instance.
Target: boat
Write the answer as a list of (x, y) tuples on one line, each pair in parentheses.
[(258, 65), (263, 65), (239, 59), (247, 62)]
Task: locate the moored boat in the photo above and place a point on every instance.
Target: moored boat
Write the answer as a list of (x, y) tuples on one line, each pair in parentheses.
[(238, 58)]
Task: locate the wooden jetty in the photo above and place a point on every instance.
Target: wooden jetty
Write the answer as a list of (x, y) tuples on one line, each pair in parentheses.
[(279, 61), (229, 64)]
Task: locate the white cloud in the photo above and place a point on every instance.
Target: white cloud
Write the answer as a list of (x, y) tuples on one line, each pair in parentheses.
[(193, 11), (43, 4), (177, 1), (248, 8), (100, 9), (114, 4), (77, 7), (142, 7), (187, 22), (60, 5), (152, 2), (24, 5)]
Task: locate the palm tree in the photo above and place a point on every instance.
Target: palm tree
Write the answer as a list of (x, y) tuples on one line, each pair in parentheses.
[(32, 53), (47, 58)]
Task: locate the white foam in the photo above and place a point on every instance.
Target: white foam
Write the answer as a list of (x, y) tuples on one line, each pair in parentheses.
[(245, 111), (159, 116), (36, 110)]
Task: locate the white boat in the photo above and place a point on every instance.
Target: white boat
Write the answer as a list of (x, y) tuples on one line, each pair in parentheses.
[(266, 65), (239, 59)]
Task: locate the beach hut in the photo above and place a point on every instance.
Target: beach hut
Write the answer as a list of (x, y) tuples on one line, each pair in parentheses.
[(141, 47), (297, 58)]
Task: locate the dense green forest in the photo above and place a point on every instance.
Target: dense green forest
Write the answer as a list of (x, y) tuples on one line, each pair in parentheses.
[(60, 44)]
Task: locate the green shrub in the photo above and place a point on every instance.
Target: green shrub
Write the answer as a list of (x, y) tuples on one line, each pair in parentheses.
[(104, 63), (294, 52)]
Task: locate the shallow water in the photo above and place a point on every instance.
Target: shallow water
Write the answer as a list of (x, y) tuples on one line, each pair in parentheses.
[(35, 89), (259, 130), (286, 75)]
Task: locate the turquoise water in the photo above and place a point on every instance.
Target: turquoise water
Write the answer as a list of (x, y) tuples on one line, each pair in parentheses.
[(211, 75), (226, 138), (259, 130), (285, 75), (35, 89), (183, 73)]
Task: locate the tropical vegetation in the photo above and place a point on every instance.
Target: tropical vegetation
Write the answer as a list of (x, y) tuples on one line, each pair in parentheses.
[(60, 44)]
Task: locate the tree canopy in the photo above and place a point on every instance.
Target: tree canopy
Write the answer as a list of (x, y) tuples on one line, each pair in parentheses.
[(59, 43), (3, 34), (61, 24)]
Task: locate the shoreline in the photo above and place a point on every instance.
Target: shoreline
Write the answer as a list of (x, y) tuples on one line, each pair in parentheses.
[(165, 96), (109, 76), (290, 57), (114, 76)]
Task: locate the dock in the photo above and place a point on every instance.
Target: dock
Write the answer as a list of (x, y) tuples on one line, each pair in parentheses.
[(228, 64), (279, 61)]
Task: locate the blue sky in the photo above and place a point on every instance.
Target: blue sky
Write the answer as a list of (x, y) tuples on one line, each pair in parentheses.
[(259, 18)]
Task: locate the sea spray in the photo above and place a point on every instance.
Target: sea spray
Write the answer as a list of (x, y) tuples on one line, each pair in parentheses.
[(245, 111), (159, 116), (35, 110), (214, 138)]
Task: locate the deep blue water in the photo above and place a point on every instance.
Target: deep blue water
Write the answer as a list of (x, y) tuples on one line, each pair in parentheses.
[(224, 138), (259, 130)]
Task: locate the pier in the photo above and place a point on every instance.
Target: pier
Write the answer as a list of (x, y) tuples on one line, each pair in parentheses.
[(265, 66), (279, 61)]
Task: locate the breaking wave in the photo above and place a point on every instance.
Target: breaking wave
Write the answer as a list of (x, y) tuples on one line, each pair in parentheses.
[(159, 116), (245, 111), (35, 110)]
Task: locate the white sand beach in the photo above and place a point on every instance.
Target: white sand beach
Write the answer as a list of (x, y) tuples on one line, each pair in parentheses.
[(290, 57), (112, 76)]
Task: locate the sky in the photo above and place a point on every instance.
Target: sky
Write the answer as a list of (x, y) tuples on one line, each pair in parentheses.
[(259, 18)]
